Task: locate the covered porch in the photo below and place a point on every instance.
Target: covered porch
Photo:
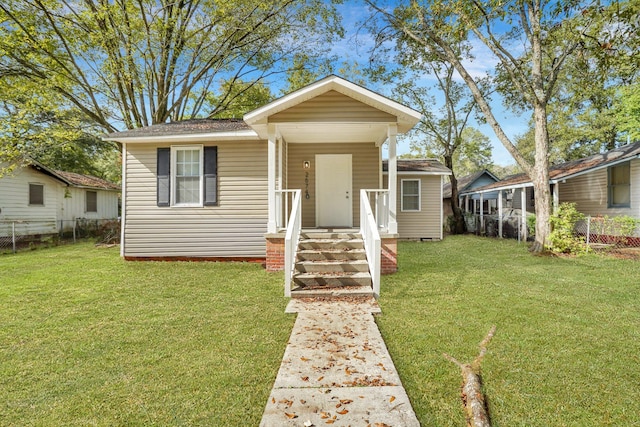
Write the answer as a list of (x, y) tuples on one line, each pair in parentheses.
[(324, 159)]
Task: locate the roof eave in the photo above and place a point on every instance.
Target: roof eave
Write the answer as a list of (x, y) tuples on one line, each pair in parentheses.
[(242, 135)]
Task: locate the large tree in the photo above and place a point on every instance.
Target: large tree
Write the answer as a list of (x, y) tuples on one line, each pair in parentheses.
[(132, 63), (440, 132), (530, 41)]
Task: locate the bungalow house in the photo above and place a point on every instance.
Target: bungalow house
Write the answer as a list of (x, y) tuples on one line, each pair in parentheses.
[(602, 184), (292, 175), (466, 183), (36, 200)]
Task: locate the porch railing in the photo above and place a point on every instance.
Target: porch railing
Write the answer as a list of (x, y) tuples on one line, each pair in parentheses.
[(371, 237), (294, 226), (284, 204), (379, 202)]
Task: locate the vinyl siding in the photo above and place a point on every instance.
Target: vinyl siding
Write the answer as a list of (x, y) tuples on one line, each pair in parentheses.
[(425, 224), (589, 192), (234, 228), (14, 203), (365, 169), (332, 107)]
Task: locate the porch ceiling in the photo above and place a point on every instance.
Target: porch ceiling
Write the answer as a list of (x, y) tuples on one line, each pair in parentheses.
[(333, 132)]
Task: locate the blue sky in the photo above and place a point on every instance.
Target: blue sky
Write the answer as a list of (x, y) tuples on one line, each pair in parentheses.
[(355, 48)]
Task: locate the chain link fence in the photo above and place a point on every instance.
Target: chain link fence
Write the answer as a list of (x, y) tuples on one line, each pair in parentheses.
[(16, 235), (610, 233), (508, 226)]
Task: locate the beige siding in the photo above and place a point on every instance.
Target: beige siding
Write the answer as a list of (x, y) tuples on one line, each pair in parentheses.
[(589, 192), (332, 107), (365, 172), (427, 223), (74, 204), (14, 203), (234, 228)]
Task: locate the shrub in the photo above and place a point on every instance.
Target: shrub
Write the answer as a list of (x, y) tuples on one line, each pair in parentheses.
[(562, 238)]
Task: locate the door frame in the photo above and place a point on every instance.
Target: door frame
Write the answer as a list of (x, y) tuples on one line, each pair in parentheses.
[(351, 197)]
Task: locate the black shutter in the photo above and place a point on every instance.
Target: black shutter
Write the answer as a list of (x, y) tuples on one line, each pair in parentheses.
[(164, 177), (210, 176)]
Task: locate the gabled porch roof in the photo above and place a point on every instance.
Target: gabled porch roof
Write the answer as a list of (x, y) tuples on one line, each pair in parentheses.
[(337, 129)]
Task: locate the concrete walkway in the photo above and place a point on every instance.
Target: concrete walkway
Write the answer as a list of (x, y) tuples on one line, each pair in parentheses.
[(336, 370)]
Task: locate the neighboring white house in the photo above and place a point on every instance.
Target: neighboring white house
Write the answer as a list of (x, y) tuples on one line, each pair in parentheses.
[(225, 189), (38, 200)]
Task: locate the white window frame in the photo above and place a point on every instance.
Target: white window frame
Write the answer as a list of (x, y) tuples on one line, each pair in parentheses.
[(419, 195), (29, 194), (174, 170)]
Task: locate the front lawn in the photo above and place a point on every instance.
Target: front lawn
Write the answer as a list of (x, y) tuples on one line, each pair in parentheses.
[(567, 347), (89, 339)]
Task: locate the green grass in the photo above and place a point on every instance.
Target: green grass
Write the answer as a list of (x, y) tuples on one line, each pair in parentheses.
[(567, 347), (89, 339)]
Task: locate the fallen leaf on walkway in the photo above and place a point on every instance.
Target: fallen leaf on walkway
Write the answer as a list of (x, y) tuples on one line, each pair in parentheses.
[(303, 401), (320, 378), (324, 415), (343, 412), (346, 401), (330, 421), (273, 400), (304, 359), (305, 378), (290, 416), (392, 399)]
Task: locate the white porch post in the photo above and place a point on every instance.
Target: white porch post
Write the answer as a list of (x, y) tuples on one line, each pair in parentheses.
[(500, 213), (393, 180), (482, 212), (556, 197), (271, 179), (523, 203)]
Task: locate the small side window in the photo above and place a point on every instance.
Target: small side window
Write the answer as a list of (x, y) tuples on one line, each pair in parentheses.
[(36, 195), (92, 201), (410, 198)]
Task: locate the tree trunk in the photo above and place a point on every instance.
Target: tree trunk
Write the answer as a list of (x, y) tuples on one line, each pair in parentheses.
[(540, 179), (457, 225)]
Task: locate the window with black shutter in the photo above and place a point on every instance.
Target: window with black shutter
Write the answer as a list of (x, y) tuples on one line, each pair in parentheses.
[(210, 176), (164, 177), (187, 176)]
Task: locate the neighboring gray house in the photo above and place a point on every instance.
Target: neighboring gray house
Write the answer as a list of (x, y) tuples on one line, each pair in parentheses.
[(39, 200), (237, 189), (465, 184)]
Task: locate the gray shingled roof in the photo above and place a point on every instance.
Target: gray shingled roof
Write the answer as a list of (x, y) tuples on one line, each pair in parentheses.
[(184, 127), (418, 165)]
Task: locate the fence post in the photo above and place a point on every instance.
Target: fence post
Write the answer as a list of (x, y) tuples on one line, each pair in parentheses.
[(519, 227), (588, 231), (74, 230), (13, 236)]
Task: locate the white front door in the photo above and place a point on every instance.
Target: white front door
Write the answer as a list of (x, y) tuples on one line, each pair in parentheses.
[(333, 190)]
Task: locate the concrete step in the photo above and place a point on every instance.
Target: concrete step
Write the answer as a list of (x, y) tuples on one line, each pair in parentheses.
[(328, 235), (335, 279), (331, 255), (332, 292), (328, 266), (331, 244)]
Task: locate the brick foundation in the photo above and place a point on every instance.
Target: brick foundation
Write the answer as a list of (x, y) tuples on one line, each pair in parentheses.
[(389, 255), (275, 254)]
